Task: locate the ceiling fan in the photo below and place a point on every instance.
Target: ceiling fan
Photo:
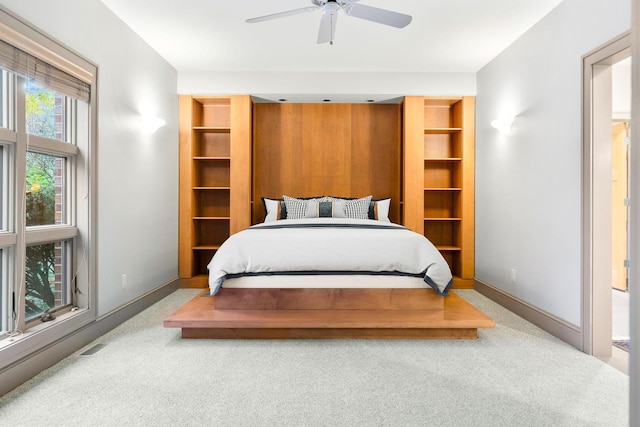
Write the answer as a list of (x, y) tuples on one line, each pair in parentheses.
[(330, 10)]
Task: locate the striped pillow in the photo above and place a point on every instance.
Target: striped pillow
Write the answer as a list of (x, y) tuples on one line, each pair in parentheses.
[(296, 208), (378, 208), (358, 208), (276, 209), (301, 208)]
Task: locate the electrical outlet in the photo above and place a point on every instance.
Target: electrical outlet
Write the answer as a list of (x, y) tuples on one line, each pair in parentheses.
[(513, 275), (124, 281)]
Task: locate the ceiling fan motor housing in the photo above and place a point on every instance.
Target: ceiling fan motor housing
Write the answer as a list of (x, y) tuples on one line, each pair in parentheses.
[(330, 7)]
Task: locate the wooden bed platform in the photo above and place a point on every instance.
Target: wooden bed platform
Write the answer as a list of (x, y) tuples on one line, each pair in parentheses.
[(328, 313)]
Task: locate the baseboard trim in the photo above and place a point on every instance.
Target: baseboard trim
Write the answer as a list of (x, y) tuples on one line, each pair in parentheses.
[(567, 332), (28, 367)]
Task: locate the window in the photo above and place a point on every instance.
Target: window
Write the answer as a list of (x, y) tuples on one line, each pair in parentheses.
[(45, 111), (47, 278), (49, 203), (3, 191), (7, 238), (4, 302), (45, 189), (5, 102), (47, 141)]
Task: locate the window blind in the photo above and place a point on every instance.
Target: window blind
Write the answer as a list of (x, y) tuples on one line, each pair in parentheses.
[(43, 74)]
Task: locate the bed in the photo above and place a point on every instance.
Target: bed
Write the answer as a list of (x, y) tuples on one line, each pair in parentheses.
[(327, 247), (328, 267)]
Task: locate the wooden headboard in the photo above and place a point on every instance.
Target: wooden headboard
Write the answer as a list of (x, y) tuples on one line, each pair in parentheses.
[(349, 150)]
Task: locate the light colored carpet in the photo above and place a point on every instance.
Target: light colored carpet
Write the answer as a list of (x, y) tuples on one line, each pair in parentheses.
[(513, 375)]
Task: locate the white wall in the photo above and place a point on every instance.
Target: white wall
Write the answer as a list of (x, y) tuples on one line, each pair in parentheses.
[(528, 184), (347, 85), (137, 172)]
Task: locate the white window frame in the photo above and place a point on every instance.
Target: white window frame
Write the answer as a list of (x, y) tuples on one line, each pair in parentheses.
[(81, 167), (68, 231)]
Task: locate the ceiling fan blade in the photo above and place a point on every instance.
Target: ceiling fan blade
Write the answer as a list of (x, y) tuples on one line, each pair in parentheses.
[(328, 26), (282, 14), (374, 14)]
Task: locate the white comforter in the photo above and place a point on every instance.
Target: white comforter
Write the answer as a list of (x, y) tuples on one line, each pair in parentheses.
[(316, 245)]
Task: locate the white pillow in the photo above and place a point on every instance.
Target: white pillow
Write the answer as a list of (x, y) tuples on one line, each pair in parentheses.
[(272, 206), (381, 209)]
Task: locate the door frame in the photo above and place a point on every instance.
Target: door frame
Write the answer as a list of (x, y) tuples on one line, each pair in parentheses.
[(596, 311)]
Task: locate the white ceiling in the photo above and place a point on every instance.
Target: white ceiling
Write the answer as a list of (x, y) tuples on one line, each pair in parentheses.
[(444, 36)]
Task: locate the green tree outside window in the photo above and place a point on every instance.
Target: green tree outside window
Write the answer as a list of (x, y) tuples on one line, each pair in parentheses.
[(40, 178)]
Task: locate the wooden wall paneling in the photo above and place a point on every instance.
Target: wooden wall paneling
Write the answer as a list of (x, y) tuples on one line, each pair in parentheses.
[(413, 163), (326, 150), (376, 153), (277, 153), (266, 126), (467, 235), (240, 164), (290, 175), (348, 150)]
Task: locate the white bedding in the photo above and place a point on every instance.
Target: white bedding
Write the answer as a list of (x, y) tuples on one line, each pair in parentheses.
[(321, 245)]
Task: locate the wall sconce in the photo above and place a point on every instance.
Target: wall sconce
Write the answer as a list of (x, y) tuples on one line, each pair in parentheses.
[(503, 124), (151, 124)]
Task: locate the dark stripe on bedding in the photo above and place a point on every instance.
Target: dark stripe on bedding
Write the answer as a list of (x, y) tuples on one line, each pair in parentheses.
[(325, 273), (431, 283), (424, 277), (317, 225)]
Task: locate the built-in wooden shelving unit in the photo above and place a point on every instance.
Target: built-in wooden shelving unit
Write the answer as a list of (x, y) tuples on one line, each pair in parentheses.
[(218, 140), (215, 177), (439, 177)]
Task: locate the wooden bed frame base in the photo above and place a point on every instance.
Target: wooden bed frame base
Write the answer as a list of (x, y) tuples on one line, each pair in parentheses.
[(328, 314)]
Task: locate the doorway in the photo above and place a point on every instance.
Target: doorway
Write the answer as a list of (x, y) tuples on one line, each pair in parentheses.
[(605, 194), (620, 150)]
